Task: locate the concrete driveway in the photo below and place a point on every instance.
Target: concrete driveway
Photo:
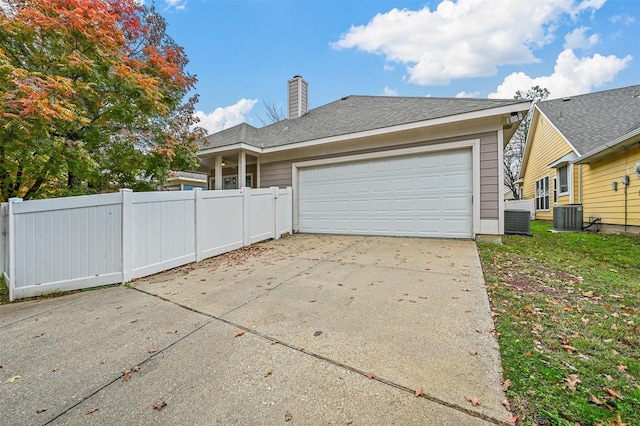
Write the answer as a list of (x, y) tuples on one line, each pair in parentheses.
[(309, 329)]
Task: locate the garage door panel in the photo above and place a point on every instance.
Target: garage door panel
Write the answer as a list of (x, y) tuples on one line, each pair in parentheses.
[(425, 195)]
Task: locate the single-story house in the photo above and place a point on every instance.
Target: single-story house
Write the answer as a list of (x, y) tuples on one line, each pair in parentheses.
[(585, 150), (377, 165), (184, 181)]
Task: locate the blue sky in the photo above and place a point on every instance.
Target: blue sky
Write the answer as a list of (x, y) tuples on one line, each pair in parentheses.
[(243, 52)]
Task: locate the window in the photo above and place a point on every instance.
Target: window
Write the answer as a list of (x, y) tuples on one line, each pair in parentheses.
[(555, 190), (563, 180), (542, 193), (231, 182)]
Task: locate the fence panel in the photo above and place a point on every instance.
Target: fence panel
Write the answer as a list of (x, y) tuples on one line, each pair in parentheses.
[(527, 204), (284, 209), (261, 215), (80, 242), (66, 244), (221, 228), (4, 239), (163, 231)]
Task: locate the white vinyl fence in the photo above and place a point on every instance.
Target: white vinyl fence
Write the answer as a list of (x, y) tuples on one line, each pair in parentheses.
[(528, 204), (79, 242)]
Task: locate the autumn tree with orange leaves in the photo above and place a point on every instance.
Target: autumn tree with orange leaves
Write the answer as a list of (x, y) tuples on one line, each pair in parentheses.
[(91, 98)]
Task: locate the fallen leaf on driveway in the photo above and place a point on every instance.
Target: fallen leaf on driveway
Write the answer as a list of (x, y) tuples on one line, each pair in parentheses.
[(93, 410), (506, 404), (506, 385), (312, 300), (473, 400), (172, 332), (152, 350), (370, 375), (103, 361), (288, 416), (134, 320), (126, 377), (13, 379), (239, 333), (473, 353), (135, 368), (41, 410), (268, 373), (418, 391), (159, 405)]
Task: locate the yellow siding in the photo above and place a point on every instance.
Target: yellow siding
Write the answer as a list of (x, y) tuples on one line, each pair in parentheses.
[(576, 185), (599, 200), (547, 146)]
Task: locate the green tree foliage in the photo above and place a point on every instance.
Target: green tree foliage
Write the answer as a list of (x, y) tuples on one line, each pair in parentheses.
[(92, 98)]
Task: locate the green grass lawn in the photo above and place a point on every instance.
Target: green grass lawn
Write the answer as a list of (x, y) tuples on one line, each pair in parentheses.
[(567, 314)]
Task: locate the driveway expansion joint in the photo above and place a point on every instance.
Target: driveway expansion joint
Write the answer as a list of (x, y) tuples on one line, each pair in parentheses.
[(339, 364)]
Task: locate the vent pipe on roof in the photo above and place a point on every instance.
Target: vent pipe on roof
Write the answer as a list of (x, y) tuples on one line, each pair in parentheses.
[(298, 100)]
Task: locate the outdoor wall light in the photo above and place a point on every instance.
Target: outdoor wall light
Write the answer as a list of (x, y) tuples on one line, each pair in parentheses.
[(614, 186), (625, 180), (638, 169)]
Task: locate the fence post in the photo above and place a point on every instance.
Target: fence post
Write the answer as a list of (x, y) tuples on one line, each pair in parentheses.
[(12, 248), (199, 221), (290, 210), (274, 199), (127, 235), (246, 216)]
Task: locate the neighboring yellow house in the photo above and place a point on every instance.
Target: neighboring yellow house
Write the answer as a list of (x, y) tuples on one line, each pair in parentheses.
[(585, 150)]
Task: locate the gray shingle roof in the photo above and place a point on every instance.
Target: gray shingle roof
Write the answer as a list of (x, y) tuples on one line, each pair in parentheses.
[(590, 121), (348, 115)]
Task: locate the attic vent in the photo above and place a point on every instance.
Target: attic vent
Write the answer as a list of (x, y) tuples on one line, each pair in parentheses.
[(344, 99), (566, 99)]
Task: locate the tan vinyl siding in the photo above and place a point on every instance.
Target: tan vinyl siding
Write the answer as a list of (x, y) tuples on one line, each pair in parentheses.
[(547, 146), (489, 186), (599, 200), (275, 174)]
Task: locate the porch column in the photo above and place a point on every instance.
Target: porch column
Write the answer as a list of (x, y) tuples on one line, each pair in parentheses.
[(242, 169), (257, 177), (217, 173)]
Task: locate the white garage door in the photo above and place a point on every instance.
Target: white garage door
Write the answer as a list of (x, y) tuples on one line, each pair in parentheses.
[(422, 195)]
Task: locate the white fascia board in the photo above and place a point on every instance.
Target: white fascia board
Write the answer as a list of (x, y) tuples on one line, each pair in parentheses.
[(234, 147), (493, 112)]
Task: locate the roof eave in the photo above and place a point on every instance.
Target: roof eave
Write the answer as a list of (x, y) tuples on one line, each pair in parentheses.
[(622, 143), (485, 113)]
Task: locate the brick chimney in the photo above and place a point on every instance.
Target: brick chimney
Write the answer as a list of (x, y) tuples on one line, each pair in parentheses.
[(298, 101)]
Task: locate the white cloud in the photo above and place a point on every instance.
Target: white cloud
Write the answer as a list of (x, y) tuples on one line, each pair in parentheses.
[(577, 39), (389, 92), (623, 19), (176, 4), (388, 67), (223, 118), (571, 76), (464, 94), (468, 38)]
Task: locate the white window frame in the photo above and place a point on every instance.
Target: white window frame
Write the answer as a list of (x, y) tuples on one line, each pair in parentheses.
[(559, 180), (542, 194), (227, 181)]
